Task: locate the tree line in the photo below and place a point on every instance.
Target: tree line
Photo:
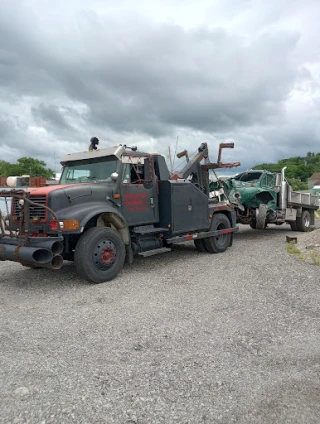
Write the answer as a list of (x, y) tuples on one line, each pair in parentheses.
[(26, 166), (299, 169)]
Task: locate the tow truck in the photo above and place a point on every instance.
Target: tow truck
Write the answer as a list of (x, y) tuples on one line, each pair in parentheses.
[(114, 203)]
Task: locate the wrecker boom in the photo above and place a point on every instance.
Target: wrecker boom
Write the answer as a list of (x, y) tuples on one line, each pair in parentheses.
[(194, 167)]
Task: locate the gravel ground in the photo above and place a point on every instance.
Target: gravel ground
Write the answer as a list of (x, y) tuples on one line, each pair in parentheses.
[(309, 246), (183, 337)]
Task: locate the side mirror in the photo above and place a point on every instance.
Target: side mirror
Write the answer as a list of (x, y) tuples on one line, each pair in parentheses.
[(114, 176)]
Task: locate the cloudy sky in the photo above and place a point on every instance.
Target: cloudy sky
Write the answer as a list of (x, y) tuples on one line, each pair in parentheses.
[(148, 72)]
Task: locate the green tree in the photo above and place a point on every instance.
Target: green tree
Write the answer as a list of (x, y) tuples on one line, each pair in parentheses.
[(299, 169), (26, 166), (297, 185)]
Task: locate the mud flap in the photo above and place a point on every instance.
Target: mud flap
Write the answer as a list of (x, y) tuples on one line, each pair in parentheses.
[(261, 215), (129, 255), (231, 240)]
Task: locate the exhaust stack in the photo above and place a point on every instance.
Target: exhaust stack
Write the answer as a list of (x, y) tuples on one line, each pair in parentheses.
[(283, 194), (55, 263), (32, 255)]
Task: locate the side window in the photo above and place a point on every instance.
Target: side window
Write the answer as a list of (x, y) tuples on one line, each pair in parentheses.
[(263, 180), (132, 173), (271, 180)]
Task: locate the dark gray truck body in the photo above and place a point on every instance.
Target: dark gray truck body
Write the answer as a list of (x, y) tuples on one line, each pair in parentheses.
[(100, 218)]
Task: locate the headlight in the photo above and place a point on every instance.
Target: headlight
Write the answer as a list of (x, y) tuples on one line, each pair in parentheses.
[(237, 195)]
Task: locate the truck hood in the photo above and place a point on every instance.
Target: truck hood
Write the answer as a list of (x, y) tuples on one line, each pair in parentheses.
[(48, 189), (249, 194)]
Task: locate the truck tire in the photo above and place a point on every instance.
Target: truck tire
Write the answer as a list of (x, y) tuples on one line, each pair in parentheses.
[(220, 243), (200, 246), (293, 225), (99, 255), (303, 221), (253, 223)]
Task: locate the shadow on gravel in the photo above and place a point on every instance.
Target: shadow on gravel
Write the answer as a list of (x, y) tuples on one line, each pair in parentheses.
[(247, 233), (45, 278), (67, 276), (23, 277)]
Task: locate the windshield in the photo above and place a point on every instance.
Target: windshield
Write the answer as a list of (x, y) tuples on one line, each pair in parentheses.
[(248, 176), (95, 170)]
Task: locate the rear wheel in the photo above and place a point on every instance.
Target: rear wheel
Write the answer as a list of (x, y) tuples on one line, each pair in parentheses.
[(218, 244), (200, 245), (99, 255), (293, 225), (303, 221)]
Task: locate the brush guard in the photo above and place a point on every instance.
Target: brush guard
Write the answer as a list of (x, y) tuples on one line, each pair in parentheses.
[(18, 245)]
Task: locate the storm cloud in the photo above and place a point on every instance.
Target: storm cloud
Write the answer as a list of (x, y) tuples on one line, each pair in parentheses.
[(239, 71)]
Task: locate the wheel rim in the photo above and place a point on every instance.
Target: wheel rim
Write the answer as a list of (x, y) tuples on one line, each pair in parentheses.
[(221, 239), (104, 255), (306, 221)]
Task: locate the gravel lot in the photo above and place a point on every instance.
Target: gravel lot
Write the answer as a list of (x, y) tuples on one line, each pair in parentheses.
[(183, 337)]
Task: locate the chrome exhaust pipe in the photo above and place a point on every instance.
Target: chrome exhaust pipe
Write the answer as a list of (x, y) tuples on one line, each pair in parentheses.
[(32, 255), (283, 195)]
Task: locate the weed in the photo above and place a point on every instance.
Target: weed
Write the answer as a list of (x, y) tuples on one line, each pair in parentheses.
[(315, 258), (292, 249)]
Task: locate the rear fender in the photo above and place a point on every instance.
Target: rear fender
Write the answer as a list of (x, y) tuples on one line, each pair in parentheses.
[(231, 215)]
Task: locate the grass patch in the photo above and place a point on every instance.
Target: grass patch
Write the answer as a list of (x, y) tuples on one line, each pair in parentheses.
[(315, 257), (292, 249)]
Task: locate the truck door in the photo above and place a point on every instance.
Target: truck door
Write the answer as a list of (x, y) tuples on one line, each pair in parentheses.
[(139, 193)]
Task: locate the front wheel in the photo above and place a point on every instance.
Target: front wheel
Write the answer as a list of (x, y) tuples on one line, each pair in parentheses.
[(99, 255), (253, 224), (220, 243), (303, 221)]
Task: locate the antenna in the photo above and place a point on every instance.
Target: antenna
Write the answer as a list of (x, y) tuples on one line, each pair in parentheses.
[(170, 159), (175, 151)]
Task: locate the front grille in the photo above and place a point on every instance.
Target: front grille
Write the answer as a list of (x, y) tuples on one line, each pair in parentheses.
[(17, 209), (36, 212)]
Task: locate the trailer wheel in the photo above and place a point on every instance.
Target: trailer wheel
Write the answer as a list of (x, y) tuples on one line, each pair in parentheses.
[(200, 246), (303, 221), (99, 255), (219, 243)]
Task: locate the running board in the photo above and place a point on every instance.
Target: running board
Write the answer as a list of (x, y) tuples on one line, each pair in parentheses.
[(154, 252)]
